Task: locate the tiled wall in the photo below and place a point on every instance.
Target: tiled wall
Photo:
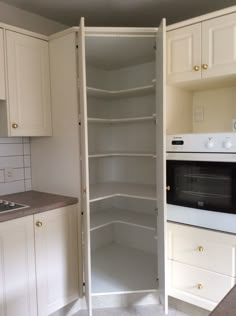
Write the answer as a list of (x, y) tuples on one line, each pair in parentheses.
[(15, 154)]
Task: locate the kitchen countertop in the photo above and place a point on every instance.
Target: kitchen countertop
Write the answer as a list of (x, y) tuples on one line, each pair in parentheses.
[(227, 307), (37, 201)]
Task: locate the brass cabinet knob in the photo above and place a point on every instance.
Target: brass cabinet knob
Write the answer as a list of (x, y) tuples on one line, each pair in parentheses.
[(168, 188), (204, 66), (39, 224), (200, 248), (199, 286), (14, 125), (196, 68)]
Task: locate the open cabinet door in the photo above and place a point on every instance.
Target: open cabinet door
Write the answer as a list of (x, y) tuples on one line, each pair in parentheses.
[(84, 166), (161, 159)]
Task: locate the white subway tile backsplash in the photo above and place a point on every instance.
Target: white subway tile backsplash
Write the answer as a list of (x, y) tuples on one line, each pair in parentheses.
[(12, 162), (27, 173), (11, 140), (11, 150), (27, 161), (12, 187), (2, 177), (26, 149), (15, 154), (28, 185)]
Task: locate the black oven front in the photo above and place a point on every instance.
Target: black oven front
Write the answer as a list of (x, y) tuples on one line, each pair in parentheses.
[(202, 185)]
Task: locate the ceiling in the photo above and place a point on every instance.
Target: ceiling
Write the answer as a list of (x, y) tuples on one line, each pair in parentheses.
[(120, 12)]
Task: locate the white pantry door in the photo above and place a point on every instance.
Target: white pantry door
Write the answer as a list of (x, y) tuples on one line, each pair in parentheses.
[(161, 159), (2, 70), (84, 165)]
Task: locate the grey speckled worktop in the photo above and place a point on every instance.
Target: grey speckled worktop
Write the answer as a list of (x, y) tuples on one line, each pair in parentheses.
[(37, 201)]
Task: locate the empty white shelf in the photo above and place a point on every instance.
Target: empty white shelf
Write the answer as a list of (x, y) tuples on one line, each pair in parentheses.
[(121, 154), (105, 190), (120, 269), (122, 120), (125, 93), (113, 215)]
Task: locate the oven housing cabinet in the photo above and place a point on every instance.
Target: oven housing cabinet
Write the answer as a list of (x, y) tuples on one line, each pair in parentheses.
[(205, 185)]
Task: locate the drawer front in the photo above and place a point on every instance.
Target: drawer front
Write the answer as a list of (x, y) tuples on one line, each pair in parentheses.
[(198, 284), (202, 248)]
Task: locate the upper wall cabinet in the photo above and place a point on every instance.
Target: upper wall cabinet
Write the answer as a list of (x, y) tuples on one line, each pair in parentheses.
[(203, 50), (218, 46), (184, 54), (29, 112), (2, 70)]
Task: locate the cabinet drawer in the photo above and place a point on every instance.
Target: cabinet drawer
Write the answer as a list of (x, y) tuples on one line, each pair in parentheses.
[(197, 286), (202, 248)]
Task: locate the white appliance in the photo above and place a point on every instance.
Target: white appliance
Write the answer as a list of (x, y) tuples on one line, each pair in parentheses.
[(201, 180)]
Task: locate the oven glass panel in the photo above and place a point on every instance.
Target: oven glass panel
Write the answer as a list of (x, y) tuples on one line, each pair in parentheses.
[(203, 185)]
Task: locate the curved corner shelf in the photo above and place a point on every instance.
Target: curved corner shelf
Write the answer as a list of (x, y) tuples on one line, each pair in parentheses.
[(125, 93), (101, 191), (116, 215), (122, 154), (122, 120)]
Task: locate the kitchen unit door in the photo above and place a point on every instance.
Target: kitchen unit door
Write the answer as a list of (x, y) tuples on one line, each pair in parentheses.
[(84, 166), (218, 46), (28, 86), (56, 252), (2, 69), (184, 54), (17, 268), (120, 103), (161, 160)]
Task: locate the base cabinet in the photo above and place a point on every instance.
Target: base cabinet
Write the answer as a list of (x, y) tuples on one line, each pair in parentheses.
[(56, 258), (17, 268), (201, 265), (39, 263)]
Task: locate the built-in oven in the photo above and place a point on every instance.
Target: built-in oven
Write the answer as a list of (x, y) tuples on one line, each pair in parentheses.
[(201, 171)]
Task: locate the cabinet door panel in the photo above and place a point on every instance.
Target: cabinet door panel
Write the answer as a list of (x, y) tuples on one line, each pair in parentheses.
[(17, 268), (56, 258), (184, 52), (84, 166), (28, 85), (161, 159), (2, 70), (219, 46)]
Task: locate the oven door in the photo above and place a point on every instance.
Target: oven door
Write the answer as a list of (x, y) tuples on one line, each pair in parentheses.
[(203, 185)]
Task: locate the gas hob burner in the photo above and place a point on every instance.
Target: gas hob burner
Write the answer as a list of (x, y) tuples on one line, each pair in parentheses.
[(7, 206)]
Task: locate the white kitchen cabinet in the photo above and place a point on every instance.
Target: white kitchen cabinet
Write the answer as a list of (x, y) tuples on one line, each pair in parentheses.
[(56, 250), (184, 54), (29, 105), (218, 46), (202, 50), (202, 264), (17, 268), (2, 68)]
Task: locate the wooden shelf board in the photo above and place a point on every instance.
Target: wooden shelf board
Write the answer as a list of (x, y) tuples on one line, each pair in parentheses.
[(122, 120), (117, 268), (113, 215), (106, 190), (125, 93), (121, 154)]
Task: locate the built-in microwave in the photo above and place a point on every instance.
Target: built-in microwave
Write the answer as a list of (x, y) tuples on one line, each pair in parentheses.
[(201, 176)]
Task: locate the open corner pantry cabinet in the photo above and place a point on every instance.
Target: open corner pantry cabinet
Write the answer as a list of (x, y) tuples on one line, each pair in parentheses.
[(122, 115)]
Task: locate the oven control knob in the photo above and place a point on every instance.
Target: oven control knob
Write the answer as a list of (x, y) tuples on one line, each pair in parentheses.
[(227, 144), (210, 144)]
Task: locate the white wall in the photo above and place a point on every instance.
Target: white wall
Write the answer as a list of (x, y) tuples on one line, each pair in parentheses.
[(33, 22)]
